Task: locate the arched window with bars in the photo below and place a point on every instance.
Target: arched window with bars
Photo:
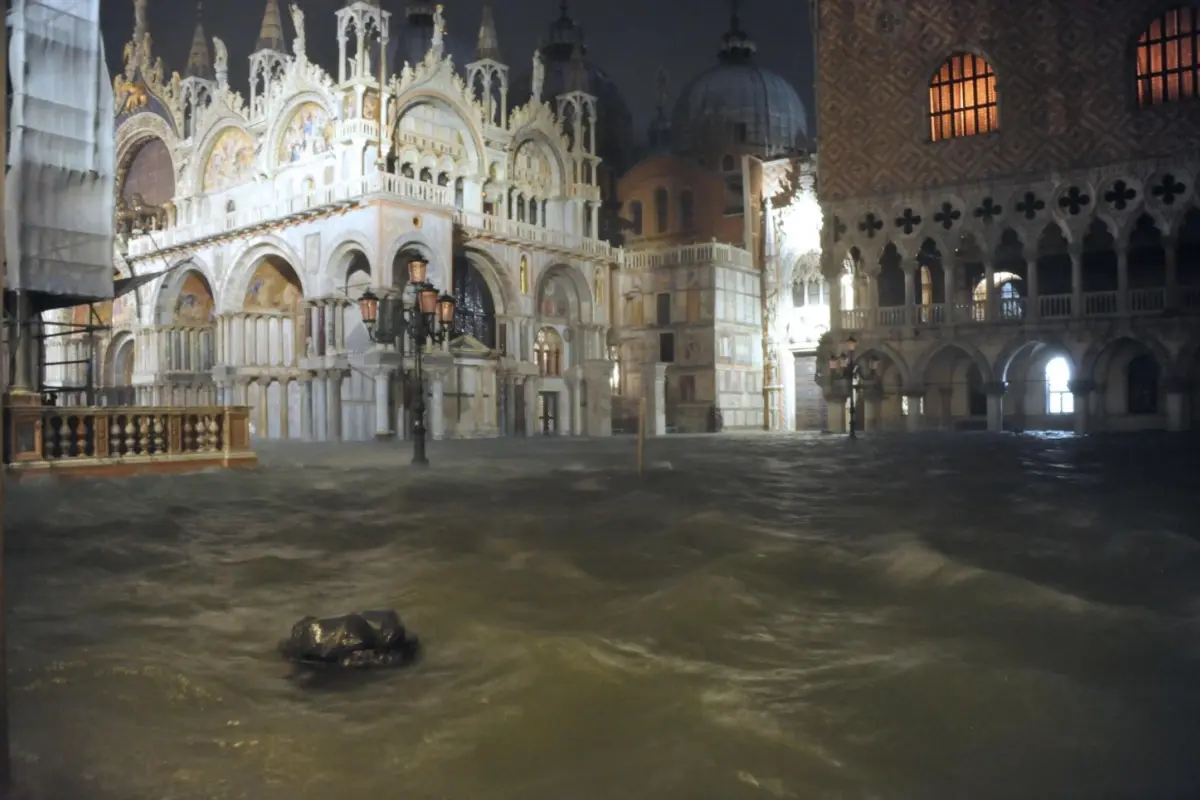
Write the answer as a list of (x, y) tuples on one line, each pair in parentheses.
[(1168, 66), (962, 98)]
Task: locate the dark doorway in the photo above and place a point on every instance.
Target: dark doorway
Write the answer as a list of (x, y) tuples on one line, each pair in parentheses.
[(548, 412), (1142, 384), (976, 397)]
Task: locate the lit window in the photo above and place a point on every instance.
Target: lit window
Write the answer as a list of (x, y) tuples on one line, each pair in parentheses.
[(547, 352), (1168, 66), (962, 98), (1059, 399)]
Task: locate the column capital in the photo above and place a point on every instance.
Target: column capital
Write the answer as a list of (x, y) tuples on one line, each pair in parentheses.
[(995, 388), (1177, 385), (1081, 387), (913, 392)]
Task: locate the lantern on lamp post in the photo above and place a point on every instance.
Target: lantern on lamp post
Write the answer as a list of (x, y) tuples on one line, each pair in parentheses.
[(427, 318), (846, 367)]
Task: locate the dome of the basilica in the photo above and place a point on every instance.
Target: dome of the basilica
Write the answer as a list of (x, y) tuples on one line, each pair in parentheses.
[(563, 45), (739, 102)]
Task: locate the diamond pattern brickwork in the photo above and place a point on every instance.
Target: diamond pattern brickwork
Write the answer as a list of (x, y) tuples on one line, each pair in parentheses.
[(1064, 79)]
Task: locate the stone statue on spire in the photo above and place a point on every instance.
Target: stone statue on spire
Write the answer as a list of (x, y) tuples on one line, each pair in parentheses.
[(439, 31), (298, 23), (539, 75), (139, 19), (662, 80), (220, 62)]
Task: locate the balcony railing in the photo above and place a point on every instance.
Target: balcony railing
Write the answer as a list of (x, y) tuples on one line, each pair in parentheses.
[(121, 440), (512, 230), (1096, 305), (710, 253), (313, 201)]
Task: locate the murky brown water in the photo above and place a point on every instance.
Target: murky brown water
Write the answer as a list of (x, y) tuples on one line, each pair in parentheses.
[(970, 617)]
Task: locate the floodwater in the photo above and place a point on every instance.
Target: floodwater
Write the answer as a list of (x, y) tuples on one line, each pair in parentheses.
[(967, 616)]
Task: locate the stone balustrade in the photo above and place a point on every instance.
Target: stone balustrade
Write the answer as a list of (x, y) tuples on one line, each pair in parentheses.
[(709, 253), (76, 442), (511, 230), (1148, 302), (304, 203)]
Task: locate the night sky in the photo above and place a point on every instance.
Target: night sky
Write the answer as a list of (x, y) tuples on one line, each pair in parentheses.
[(630, 39)]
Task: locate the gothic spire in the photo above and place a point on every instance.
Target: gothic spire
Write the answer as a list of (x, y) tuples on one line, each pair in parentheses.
[(270, 35), (489, 44), (199, 63)]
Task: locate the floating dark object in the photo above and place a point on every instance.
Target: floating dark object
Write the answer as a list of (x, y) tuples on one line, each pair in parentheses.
[(355, 641)]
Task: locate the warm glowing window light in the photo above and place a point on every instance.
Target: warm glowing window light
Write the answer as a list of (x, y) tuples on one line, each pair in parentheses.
[(1167, 65), (962, 98)]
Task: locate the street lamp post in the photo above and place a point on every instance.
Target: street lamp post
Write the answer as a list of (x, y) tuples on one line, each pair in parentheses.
[(846, 368), (427, 318)]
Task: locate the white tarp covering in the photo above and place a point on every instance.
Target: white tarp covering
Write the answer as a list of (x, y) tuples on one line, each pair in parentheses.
[(59, 193)]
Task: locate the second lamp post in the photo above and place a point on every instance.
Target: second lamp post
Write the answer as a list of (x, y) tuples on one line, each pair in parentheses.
[(846, 368), (427, 319)]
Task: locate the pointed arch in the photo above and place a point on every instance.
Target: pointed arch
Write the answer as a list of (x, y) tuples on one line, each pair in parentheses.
[(965, 348), (1100, 347)]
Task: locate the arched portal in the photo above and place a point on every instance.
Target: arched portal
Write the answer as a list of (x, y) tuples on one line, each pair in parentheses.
[(186, 316), (147, 171), (1128, 372), (474, 311), (274, 286), (959, 374), (1059, 399)]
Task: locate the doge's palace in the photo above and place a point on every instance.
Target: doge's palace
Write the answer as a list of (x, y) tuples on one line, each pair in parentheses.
[(264, 216)]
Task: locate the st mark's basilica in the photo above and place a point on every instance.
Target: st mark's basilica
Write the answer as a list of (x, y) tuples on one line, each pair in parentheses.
[(691, 267)]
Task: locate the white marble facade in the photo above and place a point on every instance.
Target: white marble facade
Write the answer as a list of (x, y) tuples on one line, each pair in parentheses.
[(271, 219)]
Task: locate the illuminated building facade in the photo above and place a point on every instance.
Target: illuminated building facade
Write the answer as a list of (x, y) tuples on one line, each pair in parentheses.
[(1010, 195), (720, 225), (270, 213)]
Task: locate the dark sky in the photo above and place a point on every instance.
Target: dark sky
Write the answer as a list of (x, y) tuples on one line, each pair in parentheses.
[(630, 39)]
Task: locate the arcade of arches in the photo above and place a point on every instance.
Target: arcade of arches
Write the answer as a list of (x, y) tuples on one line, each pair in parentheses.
[(1125, 384), (307, 368), (1046, 277)]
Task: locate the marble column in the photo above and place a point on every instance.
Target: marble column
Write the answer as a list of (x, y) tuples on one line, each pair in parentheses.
[(437, 409), (873, 408), (836, 412), (1033, 305), (320, 407), (1082, 391), (989, 290), (306, 409), (333, 405), (910, 293), (1171, 262), (995, 405), (655, 386), (914, 422), (1076, 281), (383, 407), (1176, 394)]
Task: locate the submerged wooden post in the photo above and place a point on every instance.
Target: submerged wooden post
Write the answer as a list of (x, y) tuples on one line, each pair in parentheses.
[(5, 765), (641, 439)]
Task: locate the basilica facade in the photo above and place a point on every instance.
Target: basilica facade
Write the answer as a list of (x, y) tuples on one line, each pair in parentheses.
[(1011, 230), (590, 274), (259, 219)]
